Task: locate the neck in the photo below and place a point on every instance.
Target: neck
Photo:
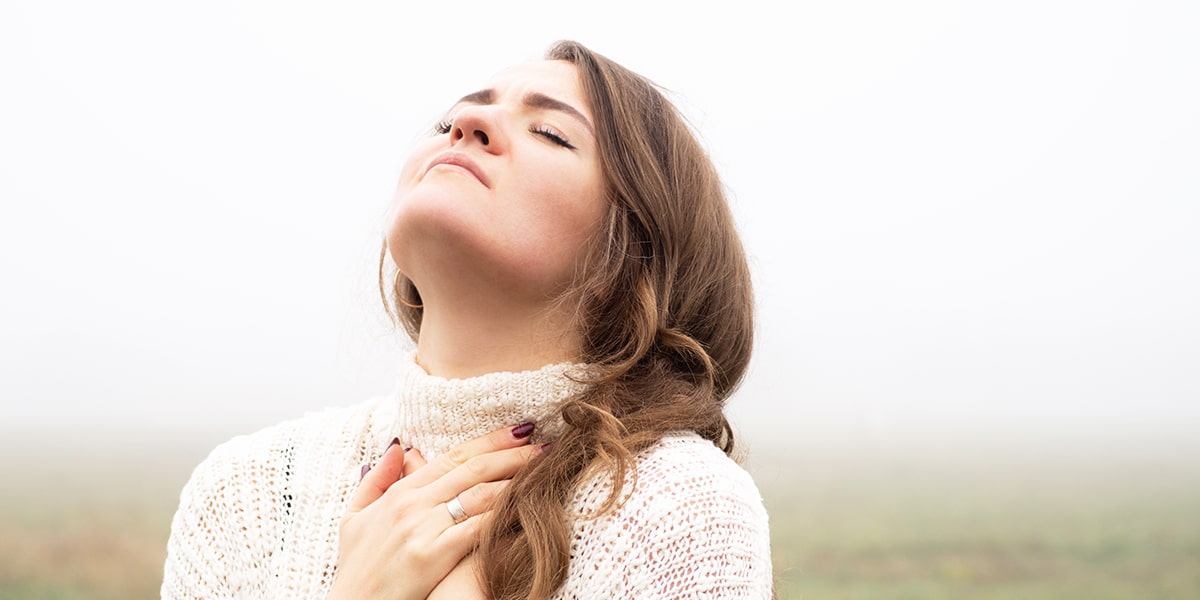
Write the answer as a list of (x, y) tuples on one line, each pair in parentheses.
[(467, 339)]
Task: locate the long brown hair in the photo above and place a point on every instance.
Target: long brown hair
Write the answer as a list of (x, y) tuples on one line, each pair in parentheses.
[(666, 314)]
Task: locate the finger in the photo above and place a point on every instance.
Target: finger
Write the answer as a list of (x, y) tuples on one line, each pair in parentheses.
[(413, 460), (377, 480), (480, 498), (493, 466), (461, 538), (501, 439)]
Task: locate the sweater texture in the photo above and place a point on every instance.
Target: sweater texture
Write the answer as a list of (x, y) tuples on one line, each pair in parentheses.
[(259, 516)]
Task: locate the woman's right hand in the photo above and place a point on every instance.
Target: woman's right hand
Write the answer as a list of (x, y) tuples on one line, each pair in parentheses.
[(398, 539)]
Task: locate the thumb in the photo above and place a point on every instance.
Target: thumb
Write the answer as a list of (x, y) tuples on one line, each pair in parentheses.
[(376, 481)]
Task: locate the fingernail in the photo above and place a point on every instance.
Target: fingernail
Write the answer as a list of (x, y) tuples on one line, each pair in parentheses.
[(395, 442), (543, 447), (364, 472), (522, 431), (407, 449)]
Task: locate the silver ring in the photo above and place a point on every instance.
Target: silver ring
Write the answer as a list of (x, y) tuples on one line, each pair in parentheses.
[(457, 512)]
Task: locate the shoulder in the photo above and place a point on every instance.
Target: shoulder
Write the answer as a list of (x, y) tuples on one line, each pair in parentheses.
[(687, 462), (325, 444), (266, 447), (686, 482), (246, 469), (689, 518), (682, 470), (239, 502)]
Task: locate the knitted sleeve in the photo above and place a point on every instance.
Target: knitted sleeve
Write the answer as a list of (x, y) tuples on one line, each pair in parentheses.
[(692, 526), (218, 532)]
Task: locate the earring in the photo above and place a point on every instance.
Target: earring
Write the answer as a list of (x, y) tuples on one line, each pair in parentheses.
[(399, 296)]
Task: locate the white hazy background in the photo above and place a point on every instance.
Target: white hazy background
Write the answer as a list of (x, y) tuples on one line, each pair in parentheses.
[(972, 224)]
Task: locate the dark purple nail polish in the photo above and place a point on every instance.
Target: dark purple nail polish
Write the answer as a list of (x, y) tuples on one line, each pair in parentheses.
[(406, 449), (364, 472), (395, 442), (522, 431)]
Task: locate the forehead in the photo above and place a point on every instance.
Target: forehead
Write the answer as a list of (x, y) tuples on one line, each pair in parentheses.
[(558, 79)]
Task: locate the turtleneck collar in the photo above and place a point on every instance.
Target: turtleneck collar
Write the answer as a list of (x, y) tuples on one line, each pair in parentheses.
[(434, 414)]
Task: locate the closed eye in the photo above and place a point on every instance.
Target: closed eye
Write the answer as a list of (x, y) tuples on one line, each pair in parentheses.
[(551, 135)]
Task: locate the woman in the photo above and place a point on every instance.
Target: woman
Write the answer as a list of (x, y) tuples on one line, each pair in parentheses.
[(569, 269)]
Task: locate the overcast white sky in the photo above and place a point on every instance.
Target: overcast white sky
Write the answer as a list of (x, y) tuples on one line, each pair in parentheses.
[(963, 217)]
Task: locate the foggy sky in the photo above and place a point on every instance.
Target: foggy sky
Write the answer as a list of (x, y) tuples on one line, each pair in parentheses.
[(976, 218)]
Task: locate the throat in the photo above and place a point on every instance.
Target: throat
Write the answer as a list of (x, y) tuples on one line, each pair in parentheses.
[(468, 344)]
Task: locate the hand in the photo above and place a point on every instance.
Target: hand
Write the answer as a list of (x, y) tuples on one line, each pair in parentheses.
[(461, 584), (398, 539)]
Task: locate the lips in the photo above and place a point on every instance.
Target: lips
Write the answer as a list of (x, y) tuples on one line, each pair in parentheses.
[(460, 160)]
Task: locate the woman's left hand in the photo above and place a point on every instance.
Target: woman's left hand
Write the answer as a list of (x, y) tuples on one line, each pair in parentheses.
[(399, 538), (462, 583)]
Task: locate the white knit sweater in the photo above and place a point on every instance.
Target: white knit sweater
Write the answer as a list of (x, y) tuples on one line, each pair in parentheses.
[(259, 517)]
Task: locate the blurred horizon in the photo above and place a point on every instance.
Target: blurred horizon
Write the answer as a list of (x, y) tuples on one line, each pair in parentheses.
[(82, 517)]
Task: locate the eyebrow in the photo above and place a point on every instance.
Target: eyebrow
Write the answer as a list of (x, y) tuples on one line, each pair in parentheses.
[(533, 100)]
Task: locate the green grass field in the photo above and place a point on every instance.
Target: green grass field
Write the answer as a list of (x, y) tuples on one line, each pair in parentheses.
[(910, 530), (91, 522)]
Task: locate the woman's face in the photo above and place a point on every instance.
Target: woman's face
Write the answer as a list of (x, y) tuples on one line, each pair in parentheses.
[(506, 192)]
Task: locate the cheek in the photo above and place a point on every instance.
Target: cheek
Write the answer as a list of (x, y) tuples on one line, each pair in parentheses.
[(568, 211), (583, 207), (567, 198)]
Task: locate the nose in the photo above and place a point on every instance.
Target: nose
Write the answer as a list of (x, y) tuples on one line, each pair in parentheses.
[(479, 134), (476, 124)]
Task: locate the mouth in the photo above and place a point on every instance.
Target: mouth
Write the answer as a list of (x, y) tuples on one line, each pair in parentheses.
[(458, 160)]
